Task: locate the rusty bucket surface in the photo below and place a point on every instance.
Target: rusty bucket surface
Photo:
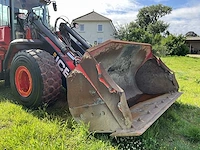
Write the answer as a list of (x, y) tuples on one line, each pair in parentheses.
[(121, 88)]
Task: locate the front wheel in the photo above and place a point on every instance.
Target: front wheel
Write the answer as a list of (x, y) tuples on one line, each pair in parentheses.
[(34, 77)]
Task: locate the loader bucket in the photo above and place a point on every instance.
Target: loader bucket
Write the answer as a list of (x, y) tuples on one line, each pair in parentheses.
[(120, 88)]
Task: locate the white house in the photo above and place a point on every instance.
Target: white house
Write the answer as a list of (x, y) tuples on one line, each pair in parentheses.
[(95, 28)]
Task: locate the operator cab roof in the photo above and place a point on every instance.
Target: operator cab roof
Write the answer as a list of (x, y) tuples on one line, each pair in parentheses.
[(29, 4)]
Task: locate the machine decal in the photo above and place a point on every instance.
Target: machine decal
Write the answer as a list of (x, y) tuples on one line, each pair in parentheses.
[(61, 65)]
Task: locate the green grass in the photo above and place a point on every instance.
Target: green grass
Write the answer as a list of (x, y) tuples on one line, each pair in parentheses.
[(42, 129), (179, 127), (50, 128), (187, 71), (23, 129)]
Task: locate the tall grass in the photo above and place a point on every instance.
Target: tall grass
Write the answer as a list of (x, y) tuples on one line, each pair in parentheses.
[(23, 130), (179, 127)]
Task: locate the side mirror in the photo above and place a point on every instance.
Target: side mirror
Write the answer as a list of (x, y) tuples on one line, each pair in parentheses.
[(75, 25), (54, 6)]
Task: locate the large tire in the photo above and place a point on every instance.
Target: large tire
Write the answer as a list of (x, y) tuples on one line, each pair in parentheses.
[(34, 77)]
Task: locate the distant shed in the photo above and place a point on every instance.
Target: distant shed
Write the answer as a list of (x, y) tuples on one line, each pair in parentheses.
[(193, 44)]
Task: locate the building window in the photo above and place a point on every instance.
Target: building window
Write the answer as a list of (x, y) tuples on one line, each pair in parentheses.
[(100, 40), (100, 28), (81, 27)]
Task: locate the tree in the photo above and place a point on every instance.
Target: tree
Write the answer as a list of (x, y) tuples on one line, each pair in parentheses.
[(149, 29), (158, 27), (132, 32), (148, 18), (146, 25), (122, 32)]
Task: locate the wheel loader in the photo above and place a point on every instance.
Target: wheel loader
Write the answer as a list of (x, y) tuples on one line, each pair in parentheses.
[(116, 87)]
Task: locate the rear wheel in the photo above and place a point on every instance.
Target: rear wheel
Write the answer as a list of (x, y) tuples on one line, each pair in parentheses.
[(34, 77)]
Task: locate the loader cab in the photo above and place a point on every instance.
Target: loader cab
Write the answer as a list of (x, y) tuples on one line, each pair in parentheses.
[(13, 14), (13, 21), (20, 20), (19, 12)]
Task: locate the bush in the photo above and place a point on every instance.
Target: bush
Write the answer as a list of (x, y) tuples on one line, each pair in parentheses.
[(159, 50), (175, 45)]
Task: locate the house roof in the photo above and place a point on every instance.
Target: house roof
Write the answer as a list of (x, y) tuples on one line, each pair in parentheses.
[(197, 38), (92, 16)]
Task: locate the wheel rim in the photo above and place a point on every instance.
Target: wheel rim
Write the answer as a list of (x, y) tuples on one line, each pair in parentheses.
[(23, 81)]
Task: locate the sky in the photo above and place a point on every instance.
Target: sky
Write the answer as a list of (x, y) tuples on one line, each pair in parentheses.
[(185, 15)]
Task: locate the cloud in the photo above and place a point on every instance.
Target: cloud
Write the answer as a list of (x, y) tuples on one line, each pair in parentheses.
[(184, 19), (181, 20), (123, 14), (74, 9)]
